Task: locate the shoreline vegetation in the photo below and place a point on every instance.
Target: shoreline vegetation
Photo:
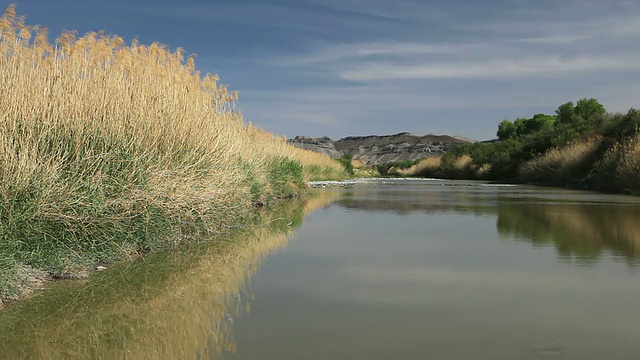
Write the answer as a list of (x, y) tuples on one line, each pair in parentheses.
[(580, 146), (109, 150), (174, 304)]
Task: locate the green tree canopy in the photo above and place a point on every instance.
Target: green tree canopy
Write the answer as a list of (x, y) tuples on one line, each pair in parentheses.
[(586, 117), (590, 110), (566, 113), (506, 130), (539, 122)]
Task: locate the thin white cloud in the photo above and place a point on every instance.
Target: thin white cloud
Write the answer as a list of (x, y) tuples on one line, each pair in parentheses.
[(303, 17), (342, 67), (378, 56), (525, 48), (398, 10), (492, 68), (625, 27), (565, 25), (354, 52), (360, 100), (555, 39)]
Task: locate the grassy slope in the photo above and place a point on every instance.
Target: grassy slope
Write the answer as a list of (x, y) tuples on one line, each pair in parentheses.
[(108, 150)]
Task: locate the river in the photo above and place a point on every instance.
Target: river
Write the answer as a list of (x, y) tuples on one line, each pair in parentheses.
[(387, 269)]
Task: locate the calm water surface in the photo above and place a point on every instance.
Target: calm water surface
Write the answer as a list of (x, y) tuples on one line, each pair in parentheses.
[(382, 270), (452, 270)]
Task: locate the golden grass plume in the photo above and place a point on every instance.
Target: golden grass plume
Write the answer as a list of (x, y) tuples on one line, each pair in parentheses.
[(105, 141)]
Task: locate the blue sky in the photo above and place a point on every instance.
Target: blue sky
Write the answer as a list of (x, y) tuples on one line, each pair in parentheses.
[(356, 67)]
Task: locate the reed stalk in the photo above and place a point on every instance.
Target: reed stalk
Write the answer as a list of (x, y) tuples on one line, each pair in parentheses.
[(110, 149)]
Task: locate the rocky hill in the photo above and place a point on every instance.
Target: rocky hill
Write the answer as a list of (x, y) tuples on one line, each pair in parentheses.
[(382, 149)]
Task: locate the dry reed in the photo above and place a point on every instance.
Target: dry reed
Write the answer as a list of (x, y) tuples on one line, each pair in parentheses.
[(620, 167), (567, 165), (426, 168), (105, 146)]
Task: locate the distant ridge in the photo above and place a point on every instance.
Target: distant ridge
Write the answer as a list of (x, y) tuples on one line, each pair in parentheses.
[(380, 149)]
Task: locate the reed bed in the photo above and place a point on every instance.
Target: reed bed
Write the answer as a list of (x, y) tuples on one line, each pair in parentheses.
[(427, 167), (568, 165), (619, 167), (317, 166), (109, 149)]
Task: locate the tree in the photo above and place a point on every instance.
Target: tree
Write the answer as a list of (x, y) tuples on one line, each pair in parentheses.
[(590, 110), (506, 130), (621, 126), (520, 126), (539, 122), (591, 114), (566, 114), (573, 122)]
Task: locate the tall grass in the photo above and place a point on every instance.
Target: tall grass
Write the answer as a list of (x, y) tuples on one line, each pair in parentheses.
[(106, 148), (316, 166), (619, 167), (568, 165), (427, 167)]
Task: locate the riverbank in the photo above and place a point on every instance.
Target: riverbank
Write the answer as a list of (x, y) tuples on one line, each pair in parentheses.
[(173, 304), (581, 146), (109, 151), (590, 164)]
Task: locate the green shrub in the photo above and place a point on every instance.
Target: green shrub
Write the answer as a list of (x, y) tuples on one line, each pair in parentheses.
[(346, 161), (285, 177)]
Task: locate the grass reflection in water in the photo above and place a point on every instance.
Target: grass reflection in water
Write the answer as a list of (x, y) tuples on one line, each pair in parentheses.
[(177, 304)]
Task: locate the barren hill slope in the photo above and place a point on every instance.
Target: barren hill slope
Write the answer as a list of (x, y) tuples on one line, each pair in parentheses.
[(374, 149)]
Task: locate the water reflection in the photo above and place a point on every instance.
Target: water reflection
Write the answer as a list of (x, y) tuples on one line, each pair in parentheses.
[(428, 197), (580, 231), (421, 269), (392, 271), (179, 304), (581, 225)]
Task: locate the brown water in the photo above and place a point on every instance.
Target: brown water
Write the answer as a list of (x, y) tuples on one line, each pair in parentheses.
[(383, 270)]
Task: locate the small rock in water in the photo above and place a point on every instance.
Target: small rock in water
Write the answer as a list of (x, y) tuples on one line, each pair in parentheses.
[(100, 268)]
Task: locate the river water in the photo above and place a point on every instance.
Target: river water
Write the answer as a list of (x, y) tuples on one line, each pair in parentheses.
[(420, 269)]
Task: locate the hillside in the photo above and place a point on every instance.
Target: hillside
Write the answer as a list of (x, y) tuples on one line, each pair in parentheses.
[(380, 149)]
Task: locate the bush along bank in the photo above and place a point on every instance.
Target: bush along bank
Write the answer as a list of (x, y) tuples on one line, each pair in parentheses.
[(108, 150), (580, 146)]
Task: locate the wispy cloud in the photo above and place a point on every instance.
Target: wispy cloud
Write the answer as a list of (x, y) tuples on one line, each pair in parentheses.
[(307, 17), (342, 67), (554, 39), (332, 67), (547, 46), (354, 52), (496, 68)]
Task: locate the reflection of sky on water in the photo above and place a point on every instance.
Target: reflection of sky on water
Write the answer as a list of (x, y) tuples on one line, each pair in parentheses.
[(443, 277), (580, 225)]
